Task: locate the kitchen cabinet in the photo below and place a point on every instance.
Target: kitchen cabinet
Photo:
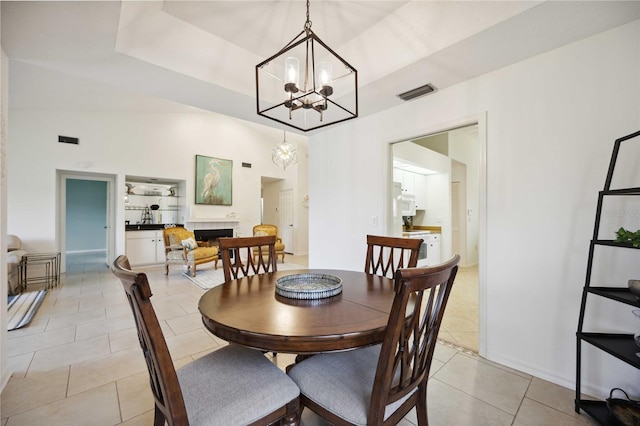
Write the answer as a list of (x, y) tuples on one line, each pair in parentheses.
[(145, 247), (412, 183), (420, 188), (606, 254), (434, 252), (405, 178)]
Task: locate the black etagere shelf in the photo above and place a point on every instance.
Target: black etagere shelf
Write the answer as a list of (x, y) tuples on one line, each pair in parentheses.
[(618, 345)]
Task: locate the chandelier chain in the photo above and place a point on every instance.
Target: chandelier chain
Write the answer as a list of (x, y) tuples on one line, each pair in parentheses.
[(307, 24)]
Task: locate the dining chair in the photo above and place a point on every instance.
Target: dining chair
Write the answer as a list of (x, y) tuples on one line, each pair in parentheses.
[(231, 386), (379, 385), (242, 249), (385, 255)]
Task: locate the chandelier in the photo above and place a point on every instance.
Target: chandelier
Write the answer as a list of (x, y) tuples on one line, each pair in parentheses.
[(306, 85), (284, 154)]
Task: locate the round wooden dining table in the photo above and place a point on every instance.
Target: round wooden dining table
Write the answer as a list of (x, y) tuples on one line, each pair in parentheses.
[(248, 311)]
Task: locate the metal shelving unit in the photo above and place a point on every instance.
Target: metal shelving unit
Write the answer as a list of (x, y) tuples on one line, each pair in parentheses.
[(618, 345)]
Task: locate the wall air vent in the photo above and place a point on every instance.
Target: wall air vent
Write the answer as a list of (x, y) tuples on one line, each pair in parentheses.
[(417, 92)]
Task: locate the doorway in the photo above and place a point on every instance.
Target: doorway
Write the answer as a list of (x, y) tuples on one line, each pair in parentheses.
[(452, 161), (277, 209), (86, 219)]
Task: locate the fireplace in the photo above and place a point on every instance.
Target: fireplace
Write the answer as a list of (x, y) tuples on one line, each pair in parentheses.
[(211, 235), (210, 230)]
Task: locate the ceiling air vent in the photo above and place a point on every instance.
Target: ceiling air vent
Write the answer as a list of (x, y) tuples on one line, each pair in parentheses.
[(417, 92)]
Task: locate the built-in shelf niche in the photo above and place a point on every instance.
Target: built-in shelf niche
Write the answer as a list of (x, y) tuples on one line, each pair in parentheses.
[(141, 194)]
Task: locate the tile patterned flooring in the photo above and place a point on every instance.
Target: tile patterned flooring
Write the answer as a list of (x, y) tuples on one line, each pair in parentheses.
[(460, 322), (79, 363)]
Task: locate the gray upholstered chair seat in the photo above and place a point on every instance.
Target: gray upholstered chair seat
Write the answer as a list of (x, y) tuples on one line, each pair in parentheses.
[(217, 387), (342, 382)]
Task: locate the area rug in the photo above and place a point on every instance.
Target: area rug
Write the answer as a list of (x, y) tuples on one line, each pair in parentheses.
[(22, 307), (209, 278)]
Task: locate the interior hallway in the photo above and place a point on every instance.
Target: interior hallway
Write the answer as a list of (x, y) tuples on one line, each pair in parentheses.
[(81, 350)]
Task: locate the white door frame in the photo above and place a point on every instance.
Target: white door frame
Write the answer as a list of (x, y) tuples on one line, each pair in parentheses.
[(61, 223), (481, 120)]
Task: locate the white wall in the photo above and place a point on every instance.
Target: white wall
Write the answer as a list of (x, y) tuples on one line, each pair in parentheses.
[(270, 195), (301, 212), (438, 212), (153, 145), (551, 123), (464, 147)]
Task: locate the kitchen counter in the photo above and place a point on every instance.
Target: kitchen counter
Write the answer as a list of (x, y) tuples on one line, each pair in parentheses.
[(419, 229), (147, 227), (412, 233)]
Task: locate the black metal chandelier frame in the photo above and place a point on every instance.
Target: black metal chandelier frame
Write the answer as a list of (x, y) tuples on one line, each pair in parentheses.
[(311, 96)]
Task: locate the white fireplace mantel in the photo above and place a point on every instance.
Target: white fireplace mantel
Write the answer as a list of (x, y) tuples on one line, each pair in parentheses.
[(213, 219), (194, 223)]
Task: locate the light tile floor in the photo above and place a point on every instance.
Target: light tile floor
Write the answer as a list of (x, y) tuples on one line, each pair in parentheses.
[(79, 363), (460, 321)]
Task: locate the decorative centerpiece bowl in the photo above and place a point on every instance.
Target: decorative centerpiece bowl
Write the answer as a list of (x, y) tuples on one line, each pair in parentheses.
[(634, 287), (308, 286)]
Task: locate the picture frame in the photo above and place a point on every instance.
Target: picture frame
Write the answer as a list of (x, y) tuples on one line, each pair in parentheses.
[(213, 181)]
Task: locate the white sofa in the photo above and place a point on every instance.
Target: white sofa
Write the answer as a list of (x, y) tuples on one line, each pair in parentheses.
[(14, 254)]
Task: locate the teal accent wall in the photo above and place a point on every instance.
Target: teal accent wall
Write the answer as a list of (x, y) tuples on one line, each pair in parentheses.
[(86, 207)]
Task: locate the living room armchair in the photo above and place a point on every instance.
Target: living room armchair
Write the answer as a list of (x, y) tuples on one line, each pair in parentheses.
[(181, 248), (266, 229)]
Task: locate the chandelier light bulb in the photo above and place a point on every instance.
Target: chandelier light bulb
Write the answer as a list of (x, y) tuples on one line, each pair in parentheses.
[(324, 73), (291, 73)]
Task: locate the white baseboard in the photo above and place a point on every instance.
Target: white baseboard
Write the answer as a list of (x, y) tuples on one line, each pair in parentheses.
[(86, 251)]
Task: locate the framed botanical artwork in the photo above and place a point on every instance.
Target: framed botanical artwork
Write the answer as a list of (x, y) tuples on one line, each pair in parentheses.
[(213, 181)]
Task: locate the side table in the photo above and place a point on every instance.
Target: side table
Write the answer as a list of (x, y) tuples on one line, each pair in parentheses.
[(50, 262)]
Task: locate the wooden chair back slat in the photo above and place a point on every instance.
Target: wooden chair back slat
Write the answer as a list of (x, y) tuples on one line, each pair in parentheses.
[(385, 255), (258, 261)]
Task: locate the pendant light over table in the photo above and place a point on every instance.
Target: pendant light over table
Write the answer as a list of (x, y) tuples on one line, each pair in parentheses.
[(306, 85)]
